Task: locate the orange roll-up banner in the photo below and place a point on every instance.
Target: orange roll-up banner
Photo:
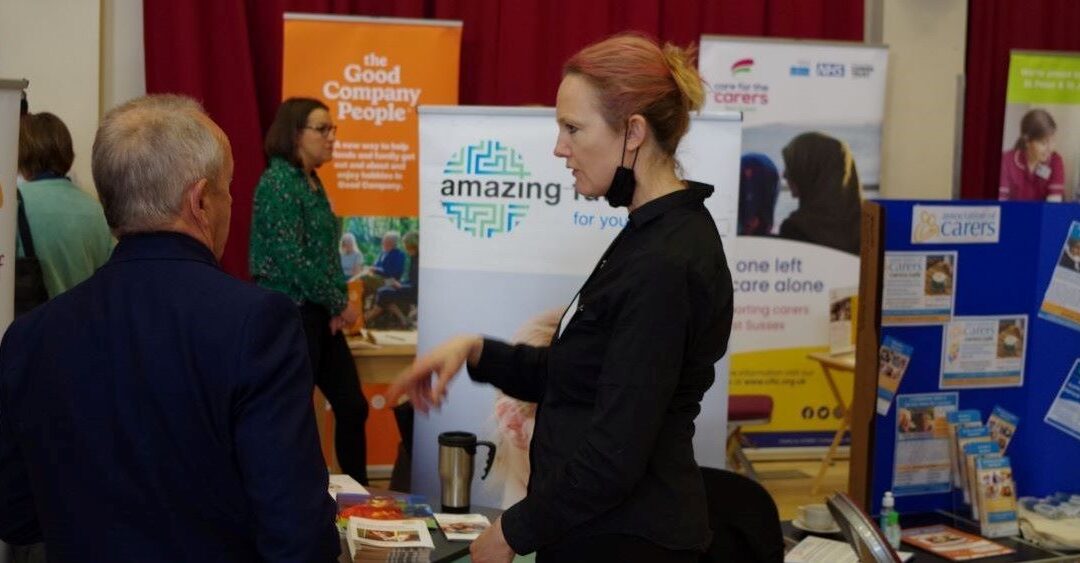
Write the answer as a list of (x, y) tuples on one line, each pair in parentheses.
[(372, 73)]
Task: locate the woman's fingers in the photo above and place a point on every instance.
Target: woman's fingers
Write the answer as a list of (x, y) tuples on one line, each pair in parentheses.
[(446, 372), (416, 375), (416, 381)]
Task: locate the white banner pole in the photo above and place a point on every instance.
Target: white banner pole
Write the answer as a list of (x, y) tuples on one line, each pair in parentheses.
[(10, 96)]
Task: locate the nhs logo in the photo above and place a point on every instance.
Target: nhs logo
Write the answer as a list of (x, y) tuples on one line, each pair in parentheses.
[(830, 70), (800, 70)]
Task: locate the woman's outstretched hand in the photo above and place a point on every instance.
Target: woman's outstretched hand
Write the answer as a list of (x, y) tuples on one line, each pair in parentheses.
[(443, 363)]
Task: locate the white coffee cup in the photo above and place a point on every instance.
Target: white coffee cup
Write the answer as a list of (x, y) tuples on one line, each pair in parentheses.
[(1011, 341), (816, 516)]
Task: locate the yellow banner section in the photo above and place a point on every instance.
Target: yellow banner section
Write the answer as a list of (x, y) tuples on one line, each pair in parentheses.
[(372, 74), (802, 400)]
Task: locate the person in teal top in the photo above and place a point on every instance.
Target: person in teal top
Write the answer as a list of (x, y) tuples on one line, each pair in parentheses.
[(71, 237), (294, 249)]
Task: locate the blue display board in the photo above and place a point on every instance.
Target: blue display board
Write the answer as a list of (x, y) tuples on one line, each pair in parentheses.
[(1004, 278)]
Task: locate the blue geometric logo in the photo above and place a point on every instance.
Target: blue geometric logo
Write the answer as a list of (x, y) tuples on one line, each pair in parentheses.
[(483, 220), (487, 158), (477, 167)]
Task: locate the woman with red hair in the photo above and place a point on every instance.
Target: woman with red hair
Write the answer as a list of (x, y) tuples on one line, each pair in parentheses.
[(612, 471)]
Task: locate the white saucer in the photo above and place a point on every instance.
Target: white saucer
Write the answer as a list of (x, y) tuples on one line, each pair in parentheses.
[(834, 529)]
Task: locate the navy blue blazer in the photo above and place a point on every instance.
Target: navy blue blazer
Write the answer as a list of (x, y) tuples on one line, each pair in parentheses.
[(161, 411)]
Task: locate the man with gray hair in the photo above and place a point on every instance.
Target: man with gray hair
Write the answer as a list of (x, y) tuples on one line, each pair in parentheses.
[(161, 410)]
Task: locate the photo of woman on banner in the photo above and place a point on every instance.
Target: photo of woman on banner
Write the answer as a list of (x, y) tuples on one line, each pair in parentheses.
[(612, 475), (820, 172), (759, 187), (294, 250), (1033, 170), (352, 260)]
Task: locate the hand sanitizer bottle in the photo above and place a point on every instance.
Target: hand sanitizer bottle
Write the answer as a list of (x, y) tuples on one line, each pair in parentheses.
[(890, 520)]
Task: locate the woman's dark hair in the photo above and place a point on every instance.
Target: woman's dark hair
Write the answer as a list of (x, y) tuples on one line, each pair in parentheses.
[(1035, 125), (823, 172), (44, 146), (290, 120)]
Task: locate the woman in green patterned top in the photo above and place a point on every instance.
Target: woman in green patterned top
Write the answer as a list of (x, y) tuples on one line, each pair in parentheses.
[(294, 237)]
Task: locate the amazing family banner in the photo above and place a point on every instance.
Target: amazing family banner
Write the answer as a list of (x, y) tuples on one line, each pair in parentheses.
[(786, 88), (507, 243)]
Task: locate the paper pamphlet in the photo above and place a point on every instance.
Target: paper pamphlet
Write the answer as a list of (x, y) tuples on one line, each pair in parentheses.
[(967, 418), (952, 544), (462, 527), (997, 497)]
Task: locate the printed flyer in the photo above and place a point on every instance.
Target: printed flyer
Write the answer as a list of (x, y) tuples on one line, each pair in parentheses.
[(974, 451), (1062, 301), (965, 437), (997, 497), (980, 352), (967, 418), (893, 360), (843, 302), (919, 288), (953, 544), (922, 463), (1002, 425), (1064, 413)]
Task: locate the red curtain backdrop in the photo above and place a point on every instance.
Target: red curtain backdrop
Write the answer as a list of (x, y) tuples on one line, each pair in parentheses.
[(227, 53), (994, 28)]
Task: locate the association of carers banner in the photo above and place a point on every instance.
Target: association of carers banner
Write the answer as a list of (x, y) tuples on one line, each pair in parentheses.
[(785, 88), (506, 238)]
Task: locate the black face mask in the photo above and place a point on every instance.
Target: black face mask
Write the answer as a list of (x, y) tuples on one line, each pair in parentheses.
[(621, 191)]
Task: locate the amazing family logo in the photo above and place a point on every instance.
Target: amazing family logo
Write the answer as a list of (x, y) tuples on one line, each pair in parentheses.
[(742, 66), (487, 189)]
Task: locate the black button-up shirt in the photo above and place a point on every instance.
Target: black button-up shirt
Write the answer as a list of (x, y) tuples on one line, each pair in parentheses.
[(620, 387)]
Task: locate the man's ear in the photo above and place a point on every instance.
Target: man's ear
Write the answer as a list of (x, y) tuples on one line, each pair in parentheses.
[(196, 201)]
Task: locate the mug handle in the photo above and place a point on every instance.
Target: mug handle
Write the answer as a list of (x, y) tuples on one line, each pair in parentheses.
[(490, 457)]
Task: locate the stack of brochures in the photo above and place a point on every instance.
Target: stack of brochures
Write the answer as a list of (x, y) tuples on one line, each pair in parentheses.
[(996, 496), (462, 527), (384, 506), (401, 541), (952, 544)]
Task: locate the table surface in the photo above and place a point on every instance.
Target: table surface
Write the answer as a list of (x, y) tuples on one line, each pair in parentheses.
[(1024, 550), (839, 361), (387, 343)]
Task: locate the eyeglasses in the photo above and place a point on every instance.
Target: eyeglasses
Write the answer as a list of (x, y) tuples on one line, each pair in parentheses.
[(324, 130)]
